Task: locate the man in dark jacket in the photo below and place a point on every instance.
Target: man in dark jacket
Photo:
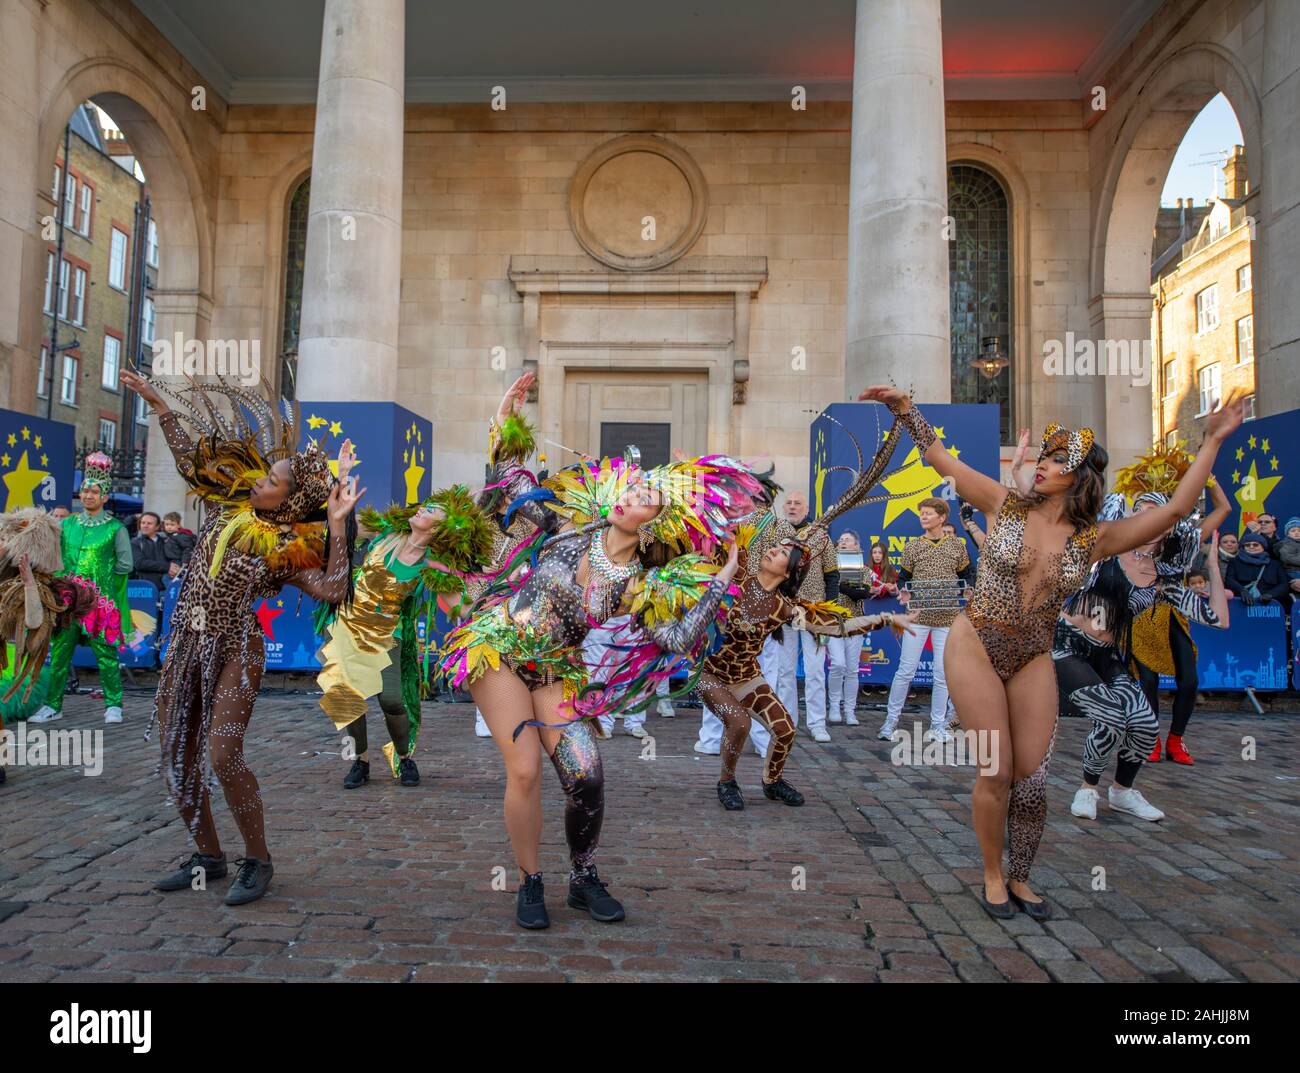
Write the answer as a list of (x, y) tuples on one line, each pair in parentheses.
[(1254, 576), (148, 550)]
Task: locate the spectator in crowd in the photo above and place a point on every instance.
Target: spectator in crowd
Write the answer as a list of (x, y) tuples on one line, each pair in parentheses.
[(1287, 552), (1254, 576), (60, 512), (148, 550), (179, 543), (884, 578), (1227, 550)]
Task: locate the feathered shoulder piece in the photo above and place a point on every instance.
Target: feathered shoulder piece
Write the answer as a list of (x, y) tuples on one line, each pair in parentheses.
[(1159, 470), (394, 519), (286, 547), (239, 434), (665, 593), (32, 532), (825, 607), (699, 499), (513, 440), (586, 491), (462, 538)]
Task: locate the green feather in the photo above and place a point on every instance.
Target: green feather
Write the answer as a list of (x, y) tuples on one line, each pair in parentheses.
[(517, 439)]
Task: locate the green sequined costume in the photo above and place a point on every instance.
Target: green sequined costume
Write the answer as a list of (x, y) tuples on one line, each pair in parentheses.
[(96, 547)]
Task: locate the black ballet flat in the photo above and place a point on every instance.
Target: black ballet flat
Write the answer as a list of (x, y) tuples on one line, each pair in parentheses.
[(1039, 911), (998, 910)]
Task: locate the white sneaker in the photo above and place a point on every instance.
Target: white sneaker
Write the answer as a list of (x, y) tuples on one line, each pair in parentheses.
[(636, 730), (1085, 803), (707, 750), (819, 734), (834, 718), (44, 714), (666, 709), (1132, 802), (481, 727), (604, 730), (887, 731), (113, 714), (939, 734), (851, 721)]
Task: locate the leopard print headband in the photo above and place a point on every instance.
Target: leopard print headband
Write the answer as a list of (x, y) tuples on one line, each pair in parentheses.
[(1076, 444)]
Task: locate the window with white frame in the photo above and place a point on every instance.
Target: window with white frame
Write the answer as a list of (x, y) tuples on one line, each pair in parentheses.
[(1208, 381), (107, 434), (70, 201), (117, 260), (1246, 340), (87, 203), (68, 385), (1171, 439), (151, 250), (147, 320), (49, 283), (112, 362), (79, 296), (1243, 278), (43, 376), (1248, 404), (1171, 376), (1207, 309), (63, 290)]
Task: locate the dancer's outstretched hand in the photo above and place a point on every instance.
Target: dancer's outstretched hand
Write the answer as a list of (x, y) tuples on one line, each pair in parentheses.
[(883, 393), (514, 398), (903, 623), (1226, 419), (137, 383), (728, 570), (343, 500)]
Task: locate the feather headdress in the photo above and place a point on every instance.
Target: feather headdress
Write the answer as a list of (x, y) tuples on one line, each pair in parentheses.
[(1159, 470), (32, 532)]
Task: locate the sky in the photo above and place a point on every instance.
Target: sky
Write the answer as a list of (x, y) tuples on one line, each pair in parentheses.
[(1197, 168)]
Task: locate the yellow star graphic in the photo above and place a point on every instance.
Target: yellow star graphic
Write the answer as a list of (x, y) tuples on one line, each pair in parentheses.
[(314, 422), (1240, 454), (1251, 496), (27, 433), (1272, 463), (911, 485), (45, 460), (4, 459), (21, 482), (1236, 476), (37, 443), (336, 428), (408, 434), (1263, 446), (1252, 442)]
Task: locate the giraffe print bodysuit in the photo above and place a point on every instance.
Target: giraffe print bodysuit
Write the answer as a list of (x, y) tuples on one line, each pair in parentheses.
[(732, 685)]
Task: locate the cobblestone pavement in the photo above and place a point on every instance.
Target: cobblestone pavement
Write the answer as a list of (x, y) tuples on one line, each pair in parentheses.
[(392, 883)]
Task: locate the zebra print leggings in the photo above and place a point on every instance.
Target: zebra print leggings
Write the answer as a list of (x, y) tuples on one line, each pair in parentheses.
[(1093, 681)]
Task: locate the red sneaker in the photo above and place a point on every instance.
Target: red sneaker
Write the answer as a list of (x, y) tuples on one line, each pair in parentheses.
[(1154, 758), (1175, 751)]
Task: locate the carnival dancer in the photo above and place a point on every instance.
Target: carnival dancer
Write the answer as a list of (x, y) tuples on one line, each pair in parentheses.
[(1092, 650), (39, 599), (998, 656), (265, 528), (520, 652), (1161, 638), (96, 546), (416, 564)]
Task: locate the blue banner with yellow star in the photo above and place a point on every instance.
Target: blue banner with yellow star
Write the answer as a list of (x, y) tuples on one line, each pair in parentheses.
[(391, 444), (36, 461), (969, 432)]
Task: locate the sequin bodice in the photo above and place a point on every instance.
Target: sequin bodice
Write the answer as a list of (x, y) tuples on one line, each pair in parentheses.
[(1019, 591), (755, 615)]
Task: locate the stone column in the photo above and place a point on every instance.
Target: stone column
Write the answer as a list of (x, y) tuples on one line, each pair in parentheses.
[(1121, 328), (352, 286), (898, 196), (1276, 282)]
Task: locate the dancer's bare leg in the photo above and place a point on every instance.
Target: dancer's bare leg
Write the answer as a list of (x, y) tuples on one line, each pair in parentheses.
[(505, 703)]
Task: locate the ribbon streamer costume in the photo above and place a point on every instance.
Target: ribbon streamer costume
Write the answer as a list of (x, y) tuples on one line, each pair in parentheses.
[(95, 547), (389, 597), (213, 667)]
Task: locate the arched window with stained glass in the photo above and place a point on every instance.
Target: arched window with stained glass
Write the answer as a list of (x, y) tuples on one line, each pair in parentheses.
[(979, 282)]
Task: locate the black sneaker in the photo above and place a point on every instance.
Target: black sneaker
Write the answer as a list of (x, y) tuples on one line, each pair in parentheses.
[(729, 795), (359, 773), (782, 791), (251, 881), (183, 878), (408, 773), (589, 893), (2, 776), (530, 904)]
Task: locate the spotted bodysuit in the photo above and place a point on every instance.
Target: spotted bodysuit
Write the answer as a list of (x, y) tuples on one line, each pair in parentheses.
[(732, 685)]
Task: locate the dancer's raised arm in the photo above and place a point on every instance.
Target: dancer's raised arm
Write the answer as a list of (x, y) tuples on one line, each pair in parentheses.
[(1125, 534), (973, 486), (178, 440), (329, 583)]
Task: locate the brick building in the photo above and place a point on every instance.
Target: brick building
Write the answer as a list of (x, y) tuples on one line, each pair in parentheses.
[(1202, 320)]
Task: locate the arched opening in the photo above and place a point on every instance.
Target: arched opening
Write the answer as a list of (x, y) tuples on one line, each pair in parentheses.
[(980, 291), (295, 261), (1124, 287)]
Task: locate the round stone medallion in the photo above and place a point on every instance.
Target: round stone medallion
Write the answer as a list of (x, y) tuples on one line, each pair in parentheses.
[(637, 203)]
